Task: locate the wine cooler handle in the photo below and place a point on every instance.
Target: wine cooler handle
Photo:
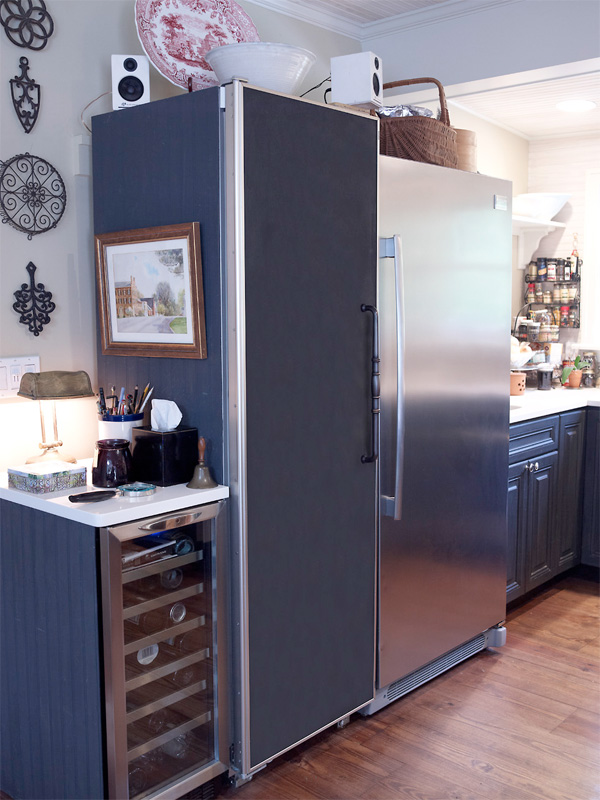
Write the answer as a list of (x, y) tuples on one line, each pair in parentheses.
[(375, 388)]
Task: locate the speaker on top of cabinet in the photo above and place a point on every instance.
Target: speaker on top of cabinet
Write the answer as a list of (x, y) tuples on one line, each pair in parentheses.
[(356, 80), (130, 81)]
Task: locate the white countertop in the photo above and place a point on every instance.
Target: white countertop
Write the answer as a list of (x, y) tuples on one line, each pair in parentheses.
[(538, 403), (116, 510)]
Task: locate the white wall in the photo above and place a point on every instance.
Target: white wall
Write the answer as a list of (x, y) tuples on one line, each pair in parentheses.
[(566, 165), (74, 69)]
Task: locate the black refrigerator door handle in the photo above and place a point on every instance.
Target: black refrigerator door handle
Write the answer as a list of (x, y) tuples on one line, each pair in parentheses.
[(375, 388)]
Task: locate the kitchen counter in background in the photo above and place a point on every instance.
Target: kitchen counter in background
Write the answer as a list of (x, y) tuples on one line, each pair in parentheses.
[(535, 403), (116, 510)]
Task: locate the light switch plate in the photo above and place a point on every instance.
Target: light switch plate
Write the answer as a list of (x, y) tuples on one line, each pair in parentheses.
[(12, 370)]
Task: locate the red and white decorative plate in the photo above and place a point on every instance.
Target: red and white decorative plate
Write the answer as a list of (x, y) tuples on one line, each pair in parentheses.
[(175, 35)]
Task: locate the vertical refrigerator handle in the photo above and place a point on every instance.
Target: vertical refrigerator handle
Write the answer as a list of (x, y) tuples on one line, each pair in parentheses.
[(392, 248), (375, 390)]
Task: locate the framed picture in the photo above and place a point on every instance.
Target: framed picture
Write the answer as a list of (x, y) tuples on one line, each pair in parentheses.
[(150, 292)]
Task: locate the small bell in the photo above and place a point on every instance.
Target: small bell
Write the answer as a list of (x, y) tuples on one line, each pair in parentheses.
[(202, 479)]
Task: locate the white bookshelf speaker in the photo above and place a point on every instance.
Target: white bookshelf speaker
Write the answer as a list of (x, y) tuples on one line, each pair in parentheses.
[(356, 80), (130, 81)]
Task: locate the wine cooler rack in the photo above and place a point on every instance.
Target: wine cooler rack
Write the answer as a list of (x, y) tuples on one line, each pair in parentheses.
[(160, 603)]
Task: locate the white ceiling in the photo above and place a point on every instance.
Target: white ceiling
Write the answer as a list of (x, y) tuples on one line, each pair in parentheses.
[(524, 104), (530, 109)]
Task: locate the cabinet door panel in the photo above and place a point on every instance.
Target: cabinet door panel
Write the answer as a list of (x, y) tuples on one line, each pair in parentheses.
[(591, 513), (542, 520), (569, 491), (517, 530)]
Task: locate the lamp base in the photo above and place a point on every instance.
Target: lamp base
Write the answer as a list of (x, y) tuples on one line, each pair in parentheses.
[(52, 454)]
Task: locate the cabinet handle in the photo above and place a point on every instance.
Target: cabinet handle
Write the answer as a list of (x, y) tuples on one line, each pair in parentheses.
[(533, 467)]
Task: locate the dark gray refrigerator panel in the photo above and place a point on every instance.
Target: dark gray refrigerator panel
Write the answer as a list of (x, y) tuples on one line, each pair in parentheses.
[(304, 503), (445, 320)]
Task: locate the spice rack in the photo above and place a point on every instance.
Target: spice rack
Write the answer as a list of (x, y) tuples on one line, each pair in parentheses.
[(554, 284)]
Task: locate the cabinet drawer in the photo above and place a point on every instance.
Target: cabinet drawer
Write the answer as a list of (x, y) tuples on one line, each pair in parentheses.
[(533, 438)]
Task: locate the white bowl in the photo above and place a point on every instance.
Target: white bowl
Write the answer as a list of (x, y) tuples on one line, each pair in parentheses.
[(280, 67), (539, 205)]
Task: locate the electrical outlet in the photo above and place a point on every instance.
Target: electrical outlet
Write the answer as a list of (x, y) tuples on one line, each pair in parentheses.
[(12, 370)]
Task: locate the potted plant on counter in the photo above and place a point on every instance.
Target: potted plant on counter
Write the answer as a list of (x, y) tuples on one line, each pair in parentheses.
[(571, 375)]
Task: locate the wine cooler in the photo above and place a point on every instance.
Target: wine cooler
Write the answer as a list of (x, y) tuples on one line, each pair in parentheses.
[(164, 653)]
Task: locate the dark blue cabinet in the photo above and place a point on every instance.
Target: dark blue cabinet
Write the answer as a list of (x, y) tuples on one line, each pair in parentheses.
[(590, 550), (51, 725), (545, 493)]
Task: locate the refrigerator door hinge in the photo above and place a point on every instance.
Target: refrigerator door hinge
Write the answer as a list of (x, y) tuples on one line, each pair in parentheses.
[(386, 247), (496, 637)]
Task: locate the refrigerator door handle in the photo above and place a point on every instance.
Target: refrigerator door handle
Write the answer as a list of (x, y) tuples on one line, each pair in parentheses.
[(375, 389), (388, 248)]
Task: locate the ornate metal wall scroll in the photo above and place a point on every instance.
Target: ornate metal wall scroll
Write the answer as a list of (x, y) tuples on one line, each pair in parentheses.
[(32, 194), (34, 303), (25, 93), (27, 23)]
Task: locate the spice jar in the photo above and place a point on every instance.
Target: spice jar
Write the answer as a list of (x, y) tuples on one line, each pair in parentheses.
[(564, 316), (560, 269), (551, 269), (534, 331), (572, 318), (556, 294), (547, 296), (542, 270), (572, 293), (564, 294), (567, 270), (539, 294), (532, 270), (531, 293)]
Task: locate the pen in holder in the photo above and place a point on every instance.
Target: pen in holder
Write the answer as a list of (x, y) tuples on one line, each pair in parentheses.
[(118, 426), (202, 479)]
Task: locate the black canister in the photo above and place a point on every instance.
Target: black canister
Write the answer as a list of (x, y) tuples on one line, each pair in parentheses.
[(544, 377), (112, 463)]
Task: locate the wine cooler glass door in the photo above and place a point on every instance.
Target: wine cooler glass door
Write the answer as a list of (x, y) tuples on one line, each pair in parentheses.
[(161, 607)]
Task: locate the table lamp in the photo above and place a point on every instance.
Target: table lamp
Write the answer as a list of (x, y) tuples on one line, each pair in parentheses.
[(47, 387)]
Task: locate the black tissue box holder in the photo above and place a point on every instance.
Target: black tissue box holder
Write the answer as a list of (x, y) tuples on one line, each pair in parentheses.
[(164, 458)]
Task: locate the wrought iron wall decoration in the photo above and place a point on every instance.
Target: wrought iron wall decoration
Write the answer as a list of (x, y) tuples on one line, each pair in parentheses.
[(27, 23), (34, 303), (25, 93), (32, 194)]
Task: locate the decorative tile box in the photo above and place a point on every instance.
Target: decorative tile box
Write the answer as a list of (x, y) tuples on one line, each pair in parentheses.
[(43, 478)]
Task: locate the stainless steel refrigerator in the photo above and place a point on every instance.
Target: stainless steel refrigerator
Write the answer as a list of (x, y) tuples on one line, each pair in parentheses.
[(444, 307)]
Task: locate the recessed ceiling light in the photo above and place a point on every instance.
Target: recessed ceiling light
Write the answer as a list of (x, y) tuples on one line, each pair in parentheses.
[(576, 105)]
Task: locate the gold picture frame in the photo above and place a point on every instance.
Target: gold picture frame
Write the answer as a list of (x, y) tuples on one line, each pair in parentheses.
[(151, 300)]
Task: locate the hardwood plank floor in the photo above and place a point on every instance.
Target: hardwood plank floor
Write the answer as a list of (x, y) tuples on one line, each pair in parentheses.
[(518, 723)]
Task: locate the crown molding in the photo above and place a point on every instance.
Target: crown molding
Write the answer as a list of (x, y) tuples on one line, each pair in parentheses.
[(363, 32), (452, 9), (322, 19)]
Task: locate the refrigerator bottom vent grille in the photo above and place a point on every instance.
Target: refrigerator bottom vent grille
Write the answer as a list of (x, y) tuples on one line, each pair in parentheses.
[(435, 668)]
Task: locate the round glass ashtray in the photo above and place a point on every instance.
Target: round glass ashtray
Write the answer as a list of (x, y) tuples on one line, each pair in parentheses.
[(136, 490)]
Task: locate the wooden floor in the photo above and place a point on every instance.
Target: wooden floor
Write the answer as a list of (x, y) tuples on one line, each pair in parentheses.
[(518, 723)]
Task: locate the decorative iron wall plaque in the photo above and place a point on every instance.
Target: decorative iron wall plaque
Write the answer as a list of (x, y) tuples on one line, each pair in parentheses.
[(27, 23), (25, 93), (32, 194), (34, 303)]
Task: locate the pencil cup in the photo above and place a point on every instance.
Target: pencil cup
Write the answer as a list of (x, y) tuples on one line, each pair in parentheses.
[(118, 426)]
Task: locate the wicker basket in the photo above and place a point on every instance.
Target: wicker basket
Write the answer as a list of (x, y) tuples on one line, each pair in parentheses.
[(420, 138)]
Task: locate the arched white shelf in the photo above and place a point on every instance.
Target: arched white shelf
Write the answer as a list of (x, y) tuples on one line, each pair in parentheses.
[(530, 232)]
